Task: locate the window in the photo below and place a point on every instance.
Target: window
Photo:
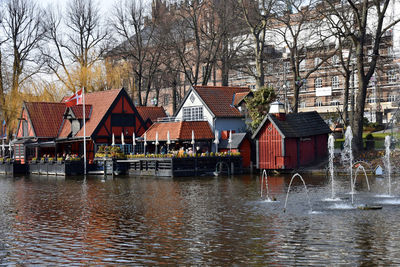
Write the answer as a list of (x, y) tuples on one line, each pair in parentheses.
[(335, 59), (286, 66), (391, 76), (302, 65), (270, 67), (335, 82), (371, 100), (24, 128), (303, 88), (318, 103), (318, 83), (390, 51), (193, 113), (391, 98), (370, 52), (335, 103), (166, 100), (302, 104), (317, 61)]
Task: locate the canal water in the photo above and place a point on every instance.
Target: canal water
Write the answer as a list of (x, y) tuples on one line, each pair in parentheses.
[(195, 221)]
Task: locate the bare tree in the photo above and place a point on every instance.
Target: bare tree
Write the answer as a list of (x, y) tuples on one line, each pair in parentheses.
[(234, 37), (196, 39), (303, 33), (22, 32), (139, 45), (77, 42), (366, 26), (258, 16)]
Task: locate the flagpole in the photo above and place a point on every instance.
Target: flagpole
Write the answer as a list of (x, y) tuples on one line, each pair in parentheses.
[(84, 131)]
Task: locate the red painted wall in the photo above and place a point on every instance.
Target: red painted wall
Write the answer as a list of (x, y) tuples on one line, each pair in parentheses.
[(245, 152), (269, 148), (307, 150), (298, 151), (290, 153)]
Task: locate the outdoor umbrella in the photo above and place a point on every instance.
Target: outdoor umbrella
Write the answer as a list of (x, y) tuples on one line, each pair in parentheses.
[(168, 141), (193, 140), (216, 141), (230, 141), (145, 143), (113, 140), (156, 143), (133, 142), (122, 139)]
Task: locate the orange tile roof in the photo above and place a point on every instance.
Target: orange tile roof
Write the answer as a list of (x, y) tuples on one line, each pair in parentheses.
[(46, 117), (152, 113), (181, 130), (77, 110), (220, 99), (101, 101), (239, 97), (98, 104)]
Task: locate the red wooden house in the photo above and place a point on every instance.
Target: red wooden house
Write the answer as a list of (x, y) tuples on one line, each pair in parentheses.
[(37, 129), (289, 141), (240, 143), (60, 128)]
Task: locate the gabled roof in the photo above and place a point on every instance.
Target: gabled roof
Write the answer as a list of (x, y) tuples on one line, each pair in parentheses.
[(46, 117), (297, 125), (78, 111), (239, 97), (180, 130), (152, 113), (219, 99), (237, 139), (100, 102)]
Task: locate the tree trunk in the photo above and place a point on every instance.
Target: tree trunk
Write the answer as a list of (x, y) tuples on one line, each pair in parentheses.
[(359, 113), (346, 97)]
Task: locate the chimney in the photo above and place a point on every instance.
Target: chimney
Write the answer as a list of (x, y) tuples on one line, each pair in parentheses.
[(277, 108)]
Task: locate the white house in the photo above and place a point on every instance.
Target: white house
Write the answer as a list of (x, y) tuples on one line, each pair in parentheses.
[(221, 106)]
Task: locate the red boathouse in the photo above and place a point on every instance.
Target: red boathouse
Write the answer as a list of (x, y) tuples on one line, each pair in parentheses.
[(289, 141), (53, 128)]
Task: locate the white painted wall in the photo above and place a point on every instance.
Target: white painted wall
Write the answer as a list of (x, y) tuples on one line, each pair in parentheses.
[(197, 102)]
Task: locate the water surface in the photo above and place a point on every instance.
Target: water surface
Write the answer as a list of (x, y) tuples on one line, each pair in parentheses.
[(47, 220)]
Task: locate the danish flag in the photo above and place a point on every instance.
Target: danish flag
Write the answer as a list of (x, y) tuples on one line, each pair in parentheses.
[(74, 100)]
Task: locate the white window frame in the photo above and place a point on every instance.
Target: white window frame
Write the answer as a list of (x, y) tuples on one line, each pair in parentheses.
[(193, 113), (391, 98), (335, 82), (391, 76), (318, 83), (318, 103)]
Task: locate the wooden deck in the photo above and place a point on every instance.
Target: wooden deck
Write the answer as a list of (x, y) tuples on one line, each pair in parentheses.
[(190, 166), (13, 168)]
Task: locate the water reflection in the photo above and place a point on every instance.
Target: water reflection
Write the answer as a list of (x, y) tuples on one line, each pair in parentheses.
[(191, 221)]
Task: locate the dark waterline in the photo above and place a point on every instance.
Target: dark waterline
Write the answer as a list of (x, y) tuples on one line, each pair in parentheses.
[(194, 221)]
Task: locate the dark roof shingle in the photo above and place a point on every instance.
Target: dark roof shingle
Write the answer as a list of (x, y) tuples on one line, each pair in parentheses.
[(46, 117), (298, 124)]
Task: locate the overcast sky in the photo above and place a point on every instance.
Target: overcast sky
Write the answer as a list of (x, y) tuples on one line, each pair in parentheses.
[(105, 5)]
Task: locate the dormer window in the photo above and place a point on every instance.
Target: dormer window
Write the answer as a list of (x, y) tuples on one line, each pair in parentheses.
[(75, 127)]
